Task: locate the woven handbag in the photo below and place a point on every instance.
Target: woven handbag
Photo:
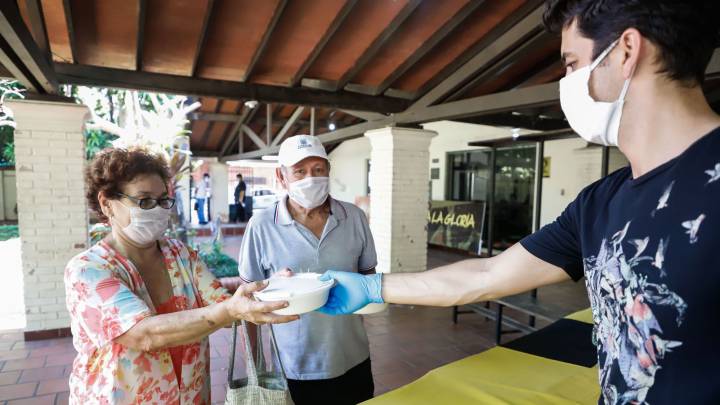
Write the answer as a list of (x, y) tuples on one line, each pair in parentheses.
[(263, 385)]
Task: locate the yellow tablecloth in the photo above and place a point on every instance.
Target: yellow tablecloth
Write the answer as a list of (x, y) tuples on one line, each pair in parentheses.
[(502, 376)]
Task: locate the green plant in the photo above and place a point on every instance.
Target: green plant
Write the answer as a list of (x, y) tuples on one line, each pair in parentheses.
[(7, 154), (220, 264), (9, 232), (95, 141)]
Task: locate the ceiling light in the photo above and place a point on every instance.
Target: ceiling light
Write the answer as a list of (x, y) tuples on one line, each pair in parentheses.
[(331, 126), (251, 104)]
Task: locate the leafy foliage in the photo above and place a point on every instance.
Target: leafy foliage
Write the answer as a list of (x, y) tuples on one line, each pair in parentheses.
[(220, 264), (9, 232)]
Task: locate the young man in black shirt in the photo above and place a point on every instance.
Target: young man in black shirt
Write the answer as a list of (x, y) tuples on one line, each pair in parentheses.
[(647, 237), (240, 190)]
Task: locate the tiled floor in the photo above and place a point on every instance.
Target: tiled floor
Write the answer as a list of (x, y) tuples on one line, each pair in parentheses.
[(406, 342)]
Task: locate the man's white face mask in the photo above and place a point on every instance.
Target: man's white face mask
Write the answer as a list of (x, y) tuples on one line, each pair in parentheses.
[(309, 192), (595, 121)]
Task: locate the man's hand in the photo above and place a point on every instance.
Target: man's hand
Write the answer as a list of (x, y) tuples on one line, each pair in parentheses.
[(351, 292), (242, 305)]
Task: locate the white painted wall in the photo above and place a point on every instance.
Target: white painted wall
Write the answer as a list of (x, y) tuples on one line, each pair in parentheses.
[(454, 137), (348, 176), (348, 169), (219, 184), (573, 167)]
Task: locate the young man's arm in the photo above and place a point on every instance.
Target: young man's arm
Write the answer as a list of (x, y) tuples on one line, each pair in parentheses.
[(514, 271)]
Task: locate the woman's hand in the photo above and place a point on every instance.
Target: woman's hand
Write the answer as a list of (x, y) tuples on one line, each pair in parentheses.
[(242, 306)]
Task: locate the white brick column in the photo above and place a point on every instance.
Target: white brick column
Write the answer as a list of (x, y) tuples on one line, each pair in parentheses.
[(399, 176), (52, 212), (219, 197)]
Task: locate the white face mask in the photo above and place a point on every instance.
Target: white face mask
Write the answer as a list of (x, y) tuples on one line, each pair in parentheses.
[(309, 192), (146, 226), (595, 121)]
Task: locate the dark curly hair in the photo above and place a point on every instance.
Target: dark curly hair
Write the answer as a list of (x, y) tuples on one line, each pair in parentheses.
[(112, 168), (685, 31)]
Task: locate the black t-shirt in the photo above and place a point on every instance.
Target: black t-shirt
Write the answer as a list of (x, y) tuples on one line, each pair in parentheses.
[(238, 189), (649, 249)]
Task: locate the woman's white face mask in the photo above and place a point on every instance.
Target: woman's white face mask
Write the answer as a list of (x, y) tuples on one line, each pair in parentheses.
[(146, 226), (309, 192), (595, 121)]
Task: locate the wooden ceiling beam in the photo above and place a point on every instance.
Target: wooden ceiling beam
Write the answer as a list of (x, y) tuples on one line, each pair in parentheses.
[(337, 22), (521, 24), (119, 78), (292, 121), (428, 45), (203, 36), (140, 43), (378, 43), (36, 18), (265, 39), (20, 54), (67, 7)]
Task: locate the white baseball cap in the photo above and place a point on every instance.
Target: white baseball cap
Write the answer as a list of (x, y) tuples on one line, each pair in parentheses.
[(299, 147)]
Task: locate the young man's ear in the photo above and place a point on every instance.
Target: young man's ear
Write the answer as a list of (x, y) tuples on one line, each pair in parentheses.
[(631, 42)]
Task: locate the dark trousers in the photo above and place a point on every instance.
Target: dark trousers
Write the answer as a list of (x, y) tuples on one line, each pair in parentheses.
[(351, 388)]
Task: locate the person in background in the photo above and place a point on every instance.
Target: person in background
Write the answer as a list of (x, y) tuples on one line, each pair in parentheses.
[(142, 305), (326, 359), (202, 197), (240, 199)]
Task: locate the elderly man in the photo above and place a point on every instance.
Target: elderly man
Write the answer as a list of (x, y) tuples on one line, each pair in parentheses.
[(325, 358)]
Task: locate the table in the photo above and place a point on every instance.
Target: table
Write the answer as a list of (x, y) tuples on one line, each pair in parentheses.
[(502, 376)]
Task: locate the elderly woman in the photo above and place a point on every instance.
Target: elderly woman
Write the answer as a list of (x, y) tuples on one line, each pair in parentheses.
[(141, 305)]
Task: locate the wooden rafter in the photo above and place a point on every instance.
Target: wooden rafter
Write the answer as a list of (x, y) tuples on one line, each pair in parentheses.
[(142, 13), (209, 128), (174, 84), (378, 43), (337, 22), (265, 39), (428, 45), (203, 36), (36, 19), (67, 7), (291, 122), (20, 54), (523, 22)]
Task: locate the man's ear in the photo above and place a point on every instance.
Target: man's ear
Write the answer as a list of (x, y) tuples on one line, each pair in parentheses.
[(280, 177), (631, 43)]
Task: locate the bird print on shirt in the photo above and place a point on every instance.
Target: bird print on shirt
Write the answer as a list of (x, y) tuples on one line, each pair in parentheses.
[(713, 173), (640, 245), (693, 226), (660, 256), (663, 201)]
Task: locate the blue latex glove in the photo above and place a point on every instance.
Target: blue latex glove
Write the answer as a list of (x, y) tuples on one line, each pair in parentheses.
[(351, 292)]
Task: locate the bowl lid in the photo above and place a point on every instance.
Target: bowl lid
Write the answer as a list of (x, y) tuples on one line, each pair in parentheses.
[(285, 288)]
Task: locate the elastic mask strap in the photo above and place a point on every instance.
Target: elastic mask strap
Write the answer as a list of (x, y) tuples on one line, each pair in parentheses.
[(603, 54), (625, 89)]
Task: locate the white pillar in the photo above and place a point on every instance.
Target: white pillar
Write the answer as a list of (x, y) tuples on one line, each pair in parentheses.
[(52, 211), (219, 197), (399, 176), (182, 143)]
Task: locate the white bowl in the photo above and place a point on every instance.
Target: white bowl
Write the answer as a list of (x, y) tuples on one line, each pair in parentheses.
[(371, 309), (304, 293)]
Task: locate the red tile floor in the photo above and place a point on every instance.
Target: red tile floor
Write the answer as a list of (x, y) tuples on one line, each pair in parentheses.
[(405, 343)]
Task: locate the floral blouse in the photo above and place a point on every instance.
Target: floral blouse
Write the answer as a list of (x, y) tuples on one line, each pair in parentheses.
[(106, 297)]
